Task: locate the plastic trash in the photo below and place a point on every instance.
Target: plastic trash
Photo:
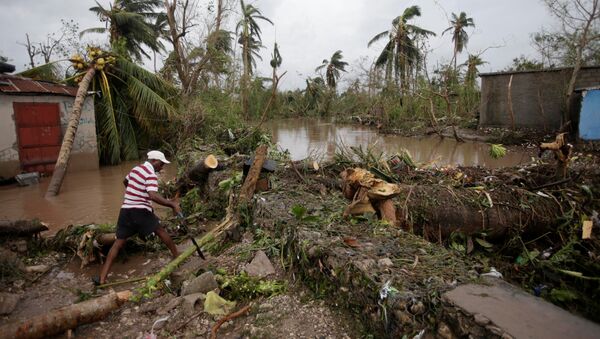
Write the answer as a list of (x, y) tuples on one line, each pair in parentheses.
[(386, 289), (27, 179), (215, 305), (492, 273), (420, 334), (151, 335)]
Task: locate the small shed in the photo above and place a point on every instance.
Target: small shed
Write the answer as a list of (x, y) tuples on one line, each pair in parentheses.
[(537, 97), (589, 117), (33, 119)]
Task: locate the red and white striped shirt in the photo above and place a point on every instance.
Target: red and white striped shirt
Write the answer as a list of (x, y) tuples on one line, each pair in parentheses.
[(141, 180)]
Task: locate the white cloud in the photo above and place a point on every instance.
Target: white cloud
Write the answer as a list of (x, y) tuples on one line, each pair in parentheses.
[(309, 31)]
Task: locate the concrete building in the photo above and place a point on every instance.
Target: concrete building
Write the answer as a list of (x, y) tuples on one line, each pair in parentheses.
[(538, 97), (33, 120)]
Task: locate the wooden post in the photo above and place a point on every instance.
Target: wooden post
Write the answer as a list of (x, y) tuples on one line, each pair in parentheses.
[(510, 104), (249, 185)]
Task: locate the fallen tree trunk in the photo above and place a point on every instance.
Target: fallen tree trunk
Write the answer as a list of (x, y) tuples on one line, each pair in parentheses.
[(436, 210), (65, 318), (21, 227)]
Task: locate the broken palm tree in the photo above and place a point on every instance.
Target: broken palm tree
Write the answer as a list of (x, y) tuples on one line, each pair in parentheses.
[(65, 318), (368, 194), (233, 219), (21, 227), (562, 153)]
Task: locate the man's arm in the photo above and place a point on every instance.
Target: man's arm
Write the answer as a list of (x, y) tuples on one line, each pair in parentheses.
[(157, 198)]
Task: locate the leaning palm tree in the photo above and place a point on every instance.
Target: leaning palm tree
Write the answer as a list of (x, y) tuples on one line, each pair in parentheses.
[(400, 52), (249, 38), (333, 68), (459, 35), (132, 24), (131, 99)]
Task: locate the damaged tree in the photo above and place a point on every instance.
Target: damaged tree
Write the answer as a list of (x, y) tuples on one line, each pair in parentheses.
[(65, 318), (562, 153), (368, 193)]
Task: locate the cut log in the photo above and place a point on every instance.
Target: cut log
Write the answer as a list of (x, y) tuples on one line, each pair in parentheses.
[(65, 318), (21, 227), (202, 169)]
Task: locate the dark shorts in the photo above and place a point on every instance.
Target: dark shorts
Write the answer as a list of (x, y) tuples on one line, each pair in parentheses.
[(136, 221)]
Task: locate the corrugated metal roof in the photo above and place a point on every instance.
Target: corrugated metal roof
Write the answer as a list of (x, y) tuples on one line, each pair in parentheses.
[(535, 71), (16, 85)]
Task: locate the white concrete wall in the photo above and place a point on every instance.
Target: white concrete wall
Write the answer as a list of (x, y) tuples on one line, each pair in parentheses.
[(85, 150)]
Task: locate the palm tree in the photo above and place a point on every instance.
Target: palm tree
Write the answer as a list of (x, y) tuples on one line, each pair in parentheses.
[(459, 35), (400, 52), (132, 100), (472, 63), (250, 40), (334, 66), (132, 25)]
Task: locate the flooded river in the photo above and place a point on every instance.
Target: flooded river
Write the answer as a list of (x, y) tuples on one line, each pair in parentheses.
[(304, 137), (85, 197), (96, 196)]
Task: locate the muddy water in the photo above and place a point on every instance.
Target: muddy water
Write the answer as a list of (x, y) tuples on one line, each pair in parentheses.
[(86, 197), (304, 137), (96, 196)]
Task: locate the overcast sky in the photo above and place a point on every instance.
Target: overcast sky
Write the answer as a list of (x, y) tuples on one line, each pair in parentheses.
[(309, 31)]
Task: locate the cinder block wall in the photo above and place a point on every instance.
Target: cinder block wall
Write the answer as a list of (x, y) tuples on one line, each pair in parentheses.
[(538, 98)]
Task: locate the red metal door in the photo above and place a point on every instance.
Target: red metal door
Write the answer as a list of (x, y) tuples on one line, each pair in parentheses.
[(39, 135)]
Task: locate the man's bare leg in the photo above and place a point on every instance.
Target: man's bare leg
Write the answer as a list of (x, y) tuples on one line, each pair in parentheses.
[(110, 258), (164, 236)]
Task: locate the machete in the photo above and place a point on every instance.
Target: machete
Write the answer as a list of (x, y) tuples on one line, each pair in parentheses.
[(183, 226)]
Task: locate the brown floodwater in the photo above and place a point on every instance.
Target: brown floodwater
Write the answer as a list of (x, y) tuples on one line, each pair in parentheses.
[(321, 138), (85, 197), (96, 196)]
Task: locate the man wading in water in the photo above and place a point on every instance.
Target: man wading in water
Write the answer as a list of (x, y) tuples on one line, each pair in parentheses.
[(137, 215)]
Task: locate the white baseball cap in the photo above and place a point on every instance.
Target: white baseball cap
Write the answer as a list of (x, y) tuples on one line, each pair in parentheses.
[(158, 155)]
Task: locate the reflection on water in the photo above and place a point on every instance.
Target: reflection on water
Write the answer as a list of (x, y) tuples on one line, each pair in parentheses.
[(85, 197), (96, 196), (303, 137)]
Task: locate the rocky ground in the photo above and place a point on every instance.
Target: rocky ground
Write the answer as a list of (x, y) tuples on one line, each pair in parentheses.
[(293, 313)]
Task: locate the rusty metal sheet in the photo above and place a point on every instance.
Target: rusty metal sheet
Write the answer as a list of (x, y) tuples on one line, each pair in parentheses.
[(12, 84)]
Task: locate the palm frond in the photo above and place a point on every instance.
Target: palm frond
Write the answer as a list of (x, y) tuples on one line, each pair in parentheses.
[(148, 78), (99, 30), (411, 12), (149, 105), (48, 72), (378, 37), (107, 124)]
